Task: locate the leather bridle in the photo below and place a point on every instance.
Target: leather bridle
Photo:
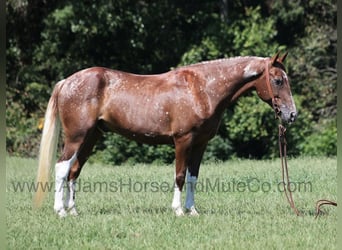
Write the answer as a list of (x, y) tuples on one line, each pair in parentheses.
[(270, 91), (283, 153)]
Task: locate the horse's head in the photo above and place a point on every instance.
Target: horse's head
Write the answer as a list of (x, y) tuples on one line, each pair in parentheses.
[(274, 88)]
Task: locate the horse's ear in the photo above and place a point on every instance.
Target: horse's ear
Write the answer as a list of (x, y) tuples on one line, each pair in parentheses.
[(282, 59), (275, 58)]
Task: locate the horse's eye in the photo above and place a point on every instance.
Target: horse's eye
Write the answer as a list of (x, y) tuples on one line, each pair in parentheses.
[(278, 81)]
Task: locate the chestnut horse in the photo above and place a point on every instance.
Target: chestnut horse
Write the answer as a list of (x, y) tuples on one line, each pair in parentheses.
[(182, 107)]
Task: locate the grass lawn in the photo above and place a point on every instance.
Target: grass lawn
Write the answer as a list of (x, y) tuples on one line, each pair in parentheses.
[(129, 207)]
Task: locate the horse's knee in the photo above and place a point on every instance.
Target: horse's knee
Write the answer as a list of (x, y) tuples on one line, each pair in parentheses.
[(180, 180)]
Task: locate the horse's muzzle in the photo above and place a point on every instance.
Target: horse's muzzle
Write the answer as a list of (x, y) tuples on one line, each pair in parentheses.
[(289, 116)]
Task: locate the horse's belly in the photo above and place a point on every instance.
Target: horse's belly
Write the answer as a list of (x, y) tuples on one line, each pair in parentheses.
[(151, 133), (147, 137)]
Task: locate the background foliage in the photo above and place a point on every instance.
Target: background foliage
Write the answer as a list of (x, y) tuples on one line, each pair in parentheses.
[(49, 40)]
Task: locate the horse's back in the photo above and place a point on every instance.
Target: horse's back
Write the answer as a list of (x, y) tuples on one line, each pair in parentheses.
[(145, 106)]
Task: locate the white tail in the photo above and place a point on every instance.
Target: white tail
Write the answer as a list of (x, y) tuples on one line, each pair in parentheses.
[(48, 148)]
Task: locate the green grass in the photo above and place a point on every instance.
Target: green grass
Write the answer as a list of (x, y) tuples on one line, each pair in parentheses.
[(258, 217)]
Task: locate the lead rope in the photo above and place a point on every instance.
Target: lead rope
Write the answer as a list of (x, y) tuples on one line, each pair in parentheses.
[(284, 168), (285, 174), (320, 203)]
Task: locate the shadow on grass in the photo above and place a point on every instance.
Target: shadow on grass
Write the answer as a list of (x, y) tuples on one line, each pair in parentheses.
[(165, 210), (133, 210)]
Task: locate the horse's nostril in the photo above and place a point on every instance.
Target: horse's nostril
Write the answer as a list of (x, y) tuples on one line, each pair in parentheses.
[(293, 116)]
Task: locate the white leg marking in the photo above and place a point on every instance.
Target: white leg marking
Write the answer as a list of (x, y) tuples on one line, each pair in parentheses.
[(190, 194), (58, 206), (70, 198), (62, 170), (176, 203)]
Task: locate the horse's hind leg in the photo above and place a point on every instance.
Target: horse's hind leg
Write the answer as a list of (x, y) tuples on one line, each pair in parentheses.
[(83, 154), (75, 153), (62, 168)]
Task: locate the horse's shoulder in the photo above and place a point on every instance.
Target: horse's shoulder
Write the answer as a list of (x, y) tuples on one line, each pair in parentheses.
[(188, 76)]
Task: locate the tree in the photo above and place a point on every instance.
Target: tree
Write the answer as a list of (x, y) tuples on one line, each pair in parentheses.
[(49, 40)]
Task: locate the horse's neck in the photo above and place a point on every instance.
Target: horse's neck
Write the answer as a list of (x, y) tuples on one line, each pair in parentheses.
[(228, 81)]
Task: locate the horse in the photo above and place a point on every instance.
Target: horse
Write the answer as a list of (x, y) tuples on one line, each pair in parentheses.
[(182, 107)]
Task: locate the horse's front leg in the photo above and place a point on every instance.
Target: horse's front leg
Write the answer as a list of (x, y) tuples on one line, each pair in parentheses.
[(182, 147), (194, 162), (176, 202), (190, 194)]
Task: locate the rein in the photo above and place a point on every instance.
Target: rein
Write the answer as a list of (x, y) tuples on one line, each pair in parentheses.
[(283, 156)]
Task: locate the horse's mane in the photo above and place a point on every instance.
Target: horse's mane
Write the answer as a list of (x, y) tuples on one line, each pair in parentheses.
[(230, 60)]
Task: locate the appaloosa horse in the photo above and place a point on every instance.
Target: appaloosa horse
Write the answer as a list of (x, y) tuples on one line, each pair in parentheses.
[(181, 107)]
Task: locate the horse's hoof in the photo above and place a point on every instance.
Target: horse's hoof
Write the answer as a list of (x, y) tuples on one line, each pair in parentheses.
[(61, 213), (179, 211), (192, 211), (73, 212)]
